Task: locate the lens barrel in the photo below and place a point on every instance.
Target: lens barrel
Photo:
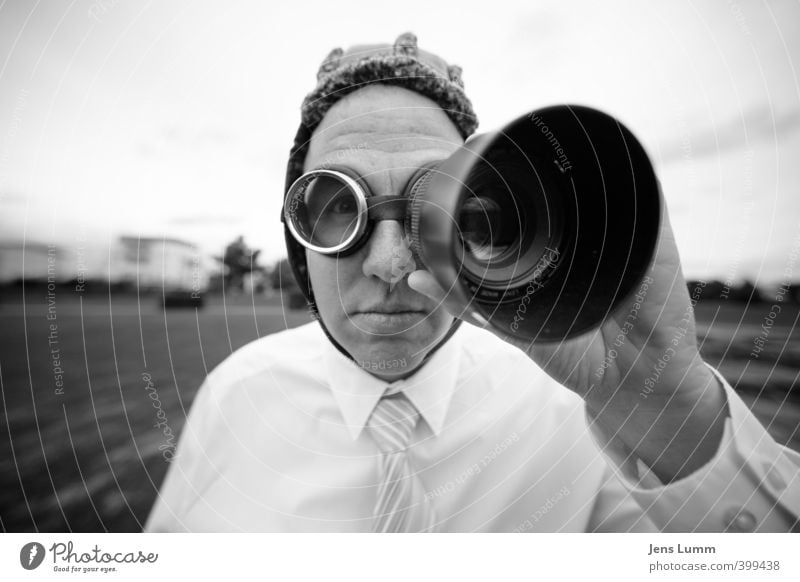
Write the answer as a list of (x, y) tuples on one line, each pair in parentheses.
[(541, 228)]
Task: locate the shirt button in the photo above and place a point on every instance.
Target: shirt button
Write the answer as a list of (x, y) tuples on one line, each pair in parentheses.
[(774, 477), (739, 520)]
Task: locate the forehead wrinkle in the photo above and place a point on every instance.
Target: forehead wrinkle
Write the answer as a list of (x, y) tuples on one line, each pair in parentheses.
[(379, 131), (353, 115), (366, 161), (384, 135), (382, 171), (389, 141), (390, 148), (382, 118), (389, 152)]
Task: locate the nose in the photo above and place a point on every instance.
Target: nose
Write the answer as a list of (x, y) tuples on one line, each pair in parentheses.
[(388, 257)]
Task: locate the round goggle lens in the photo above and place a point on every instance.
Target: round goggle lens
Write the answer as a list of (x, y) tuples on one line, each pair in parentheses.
[(324, 211)]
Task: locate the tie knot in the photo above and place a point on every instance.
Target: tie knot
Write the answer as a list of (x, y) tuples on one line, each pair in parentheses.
[(392, 423)]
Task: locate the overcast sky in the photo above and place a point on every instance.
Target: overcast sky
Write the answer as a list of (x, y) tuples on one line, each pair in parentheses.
[(175, 118)]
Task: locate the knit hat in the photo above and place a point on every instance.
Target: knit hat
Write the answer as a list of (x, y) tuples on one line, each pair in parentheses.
[(342, 72)]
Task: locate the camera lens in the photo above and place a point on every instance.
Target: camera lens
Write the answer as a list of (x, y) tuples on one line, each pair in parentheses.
[(481, 230), (540, 229), (504, 224)]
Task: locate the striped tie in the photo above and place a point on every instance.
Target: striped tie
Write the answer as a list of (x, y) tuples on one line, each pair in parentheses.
[(401, 505)]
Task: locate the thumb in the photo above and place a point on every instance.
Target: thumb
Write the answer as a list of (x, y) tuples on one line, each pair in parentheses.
[(423, 282)]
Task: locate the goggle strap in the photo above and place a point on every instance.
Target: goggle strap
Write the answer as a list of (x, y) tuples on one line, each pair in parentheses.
[(387, 207)]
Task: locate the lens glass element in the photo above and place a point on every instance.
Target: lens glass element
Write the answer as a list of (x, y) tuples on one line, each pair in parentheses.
[(505, 223), (486, 231)]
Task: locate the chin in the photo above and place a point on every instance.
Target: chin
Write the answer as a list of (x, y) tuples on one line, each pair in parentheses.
[(390, 356)]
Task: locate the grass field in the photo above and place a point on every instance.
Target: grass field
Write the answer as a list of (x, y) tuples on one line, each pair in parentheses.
[(81, 450)]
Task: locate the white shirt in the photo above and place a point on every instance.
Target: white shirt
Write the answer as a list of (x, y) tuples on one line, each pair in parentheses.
[(275, 441)]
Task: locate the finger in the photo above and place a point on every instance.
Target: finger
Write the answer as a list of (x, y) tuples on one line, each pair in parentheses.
[(423, 282)]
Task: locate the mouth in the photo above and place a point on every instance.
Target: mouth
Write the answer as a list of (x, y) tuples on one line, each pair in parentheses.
[(388, 319), (389, 311)]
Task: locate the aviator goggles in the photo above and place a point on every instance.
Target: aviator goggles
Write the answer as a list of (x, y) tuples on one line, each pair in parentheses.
[(332, 211)]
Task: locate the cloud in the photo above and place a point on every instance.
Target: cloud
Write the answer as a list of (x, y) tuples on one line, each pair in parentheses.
[(199, 136), (177, 138), (12, 198), (755, 124), (204, 220)]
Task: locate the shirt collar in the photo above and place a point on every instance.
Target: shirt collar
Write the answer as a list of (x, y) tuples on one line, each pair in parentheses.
[(430, 388)]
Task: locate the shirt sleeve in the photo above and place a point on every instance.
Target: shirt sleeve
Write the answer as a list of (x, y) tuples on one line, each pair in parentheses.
[(188, 470), (751, 484), (615, 509)]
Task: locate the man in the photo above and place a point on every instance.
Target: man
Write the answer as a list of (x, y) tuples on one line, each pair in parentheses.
[(387, 415)]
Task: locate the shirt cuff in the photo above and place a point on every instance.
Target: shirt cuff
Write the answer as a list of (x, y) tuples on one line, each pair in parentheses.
[(750, 484)]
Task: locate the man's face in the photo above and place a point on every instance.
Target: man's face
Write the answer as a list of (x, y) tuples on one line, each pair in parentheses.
[(384, 134)]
